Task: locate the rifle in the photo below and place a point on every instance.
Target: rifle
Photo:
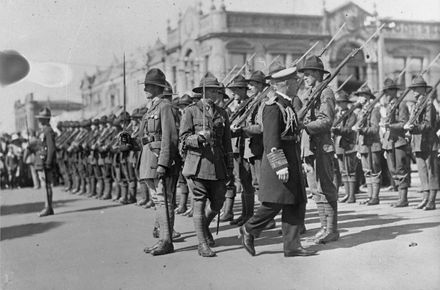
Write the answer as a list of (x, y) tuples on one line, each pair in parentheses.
[(343, 84), (332, 40), (347, 114), (362, 123), (228, 74), (317, 93), (244, 111), (241, 69), (395, 106), (422, 106)]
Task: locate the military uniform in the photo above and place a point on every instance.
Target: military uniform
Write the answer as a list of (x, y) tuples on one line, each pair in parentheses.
[(345, 147), (208, 159), (370, 148), (396, 146), (281, 156), (425, 144), (317, 152), (45, 159), (157, 161)]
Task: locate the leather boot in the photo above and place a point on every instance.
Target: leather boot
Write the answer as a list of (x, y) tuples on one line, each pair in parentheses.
[(375, 198), (322, 219), (199, 220), (76, 184), (228, 214), (92, 186), (403, 198), (431, 202), (123, 194), (347, 192), (247, 240), (424, 201), (166, 245), (209, 216), (352, 192), (332, 234), (369, 194), (132, 190), (183, 194), (144, 192), (99, 188), (107, 189)]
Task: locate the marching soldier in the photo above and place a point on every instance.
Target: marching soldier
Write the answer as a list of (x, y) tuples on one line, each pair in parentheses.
[(160, 141), (95, 156), (345, 143), (318, 149), (368, 144), (394, 142), (45, 158), (281, 185), (88, 156), (425, 143), (105, 158), (206, 144), (242, 177)]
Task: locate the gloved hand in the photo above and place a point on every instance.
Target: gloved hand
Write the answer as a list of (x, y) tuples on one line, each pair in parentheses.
[(283, 174), (161, 171)]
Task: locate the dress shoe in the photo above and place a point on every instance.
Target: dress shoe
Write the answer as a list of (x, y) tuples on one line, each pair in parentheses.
[(164, 247), (327, 238), (205, 251), (148, 250), (247, 240), (46, 211), (131, 200), (300, 251), (106, 197), (429, 206)]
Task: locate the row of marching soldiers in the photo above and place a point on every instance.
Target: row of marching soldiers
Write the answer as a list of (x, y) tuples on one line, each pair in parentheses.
[(262, 138)]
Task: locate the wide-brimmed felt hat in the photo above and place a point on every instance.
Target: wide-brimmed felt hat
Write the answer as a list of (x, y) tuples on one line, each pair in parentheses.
[(124, 117), (238, 82), (364, 91), (95, 122), (313, 63), (155, 77), (343, 96), (419, 82), (44, 114), (103, 119), (208, 81), (389, 84), (184, 100), (257, 76)]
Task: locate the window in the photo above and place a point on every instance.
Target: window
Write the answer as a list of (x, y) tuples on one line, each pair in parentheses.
[(238, 59)]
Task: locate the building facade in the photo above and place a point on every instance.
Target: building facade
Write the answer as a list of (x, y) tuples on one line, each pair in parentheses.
[(220, 40), (26, 112)]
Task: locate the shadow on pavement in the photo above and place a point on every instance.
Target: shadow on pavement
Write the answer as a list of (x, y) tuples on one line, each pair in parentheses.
[(92, 208), (30, 207), (378, 234), (18, 231)]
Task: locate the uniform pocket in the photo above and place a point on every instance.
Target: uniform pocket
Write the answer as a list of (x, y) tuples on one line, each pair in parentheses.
[(191, 164)]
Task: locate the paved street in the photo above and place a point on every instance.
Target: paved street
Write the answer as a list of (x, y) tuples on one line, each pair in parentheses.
[(92, 244)]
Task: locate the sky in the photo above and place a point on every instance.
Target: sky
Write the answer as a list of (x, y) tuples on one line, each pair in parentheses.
[(87, 34)]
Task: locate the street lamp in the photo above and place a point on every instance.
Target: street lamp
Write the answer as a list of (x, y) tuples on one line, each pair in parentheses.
[(376, 22)]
